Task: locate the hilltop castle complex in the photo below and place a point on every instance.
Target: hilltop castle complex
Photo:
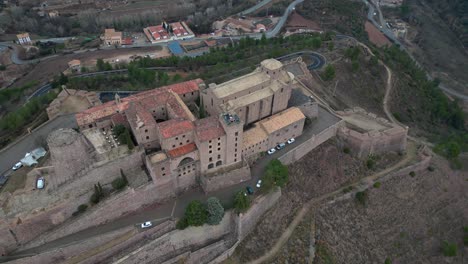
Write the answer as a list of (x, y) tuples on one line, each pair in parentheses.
[(246, 116)]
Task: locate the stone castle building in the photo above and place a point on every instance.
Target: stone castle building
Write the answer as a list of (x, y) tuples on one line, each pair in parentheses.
[(247, 116)]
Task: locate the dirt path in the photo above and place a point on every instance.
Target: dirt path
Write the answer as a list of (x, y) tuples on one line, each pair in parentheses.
[(361, 184)]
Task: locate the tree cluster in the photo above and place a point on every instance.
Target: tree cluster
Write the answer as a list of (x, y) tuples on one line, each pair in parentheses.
[(198, 213), (276, 174)]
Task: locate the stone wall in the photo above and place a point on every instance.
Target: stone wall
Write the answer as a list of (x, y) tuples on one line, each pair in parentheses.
[(59, 255), (301, 150), (374, 142), (218, 181), (179, 242), (122, 203), (247, 221)]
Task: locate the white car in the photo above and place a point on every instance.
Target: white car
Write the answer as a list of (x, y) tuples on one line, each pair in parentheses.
[(146, 224), (259, 183), (271, 151), (291, 140), (40, 183), (17, 166)]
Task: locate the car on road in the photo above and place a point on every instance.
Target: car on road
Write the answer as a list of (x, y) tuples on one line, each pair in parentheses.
[(40, 183), (291, 140), (146, 224), (280, 146), (259, 183), (17, 166), (249, 189), (271, 151)]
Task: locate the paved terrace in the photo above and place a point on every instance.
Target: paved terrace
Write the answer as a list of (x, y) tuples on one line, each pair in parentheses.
[(175, 208)]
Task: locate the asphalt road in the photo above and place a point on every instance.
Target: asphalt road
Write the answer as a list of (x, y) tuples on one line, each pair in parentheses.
[(255, 7), (160, 212), (16, 151)]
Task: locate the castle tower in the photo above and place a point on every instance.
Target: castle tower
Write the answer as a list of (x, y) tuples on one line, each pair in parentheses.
[(233, 126), (71, 154)]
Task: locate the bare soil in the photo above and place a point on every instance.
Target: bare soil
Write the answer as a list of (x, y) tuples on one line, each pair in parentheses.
[(405, 220), (74, 104), (330, 169), (375, 36), (434, 44), (364, 87)]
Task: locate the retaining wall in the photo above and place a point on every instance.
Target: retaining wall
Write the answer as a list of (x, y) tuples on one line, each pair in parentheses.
[(301, 150), (229, 178), (122, 203)]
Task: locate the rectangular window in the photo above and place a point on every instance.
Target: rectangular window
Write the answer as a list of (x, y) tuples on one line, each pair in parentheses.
[(219, 156), (163, 168), (210, 151), (211, 159), (236, 134), (219, 149)]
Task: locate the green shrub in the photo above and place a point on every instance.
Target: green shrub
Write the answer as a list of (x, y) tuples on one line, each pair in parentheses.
[(119, 183), (430, 168), (449, 249), (377, 185), (361, 197), (241, 202), (81, 208), (215, 211), (465, 236), (346, 150), (182, 223), (388, 261), (196, 214), (412, 174), (370, 163), (348, 189), (276, 174), (2, 67)]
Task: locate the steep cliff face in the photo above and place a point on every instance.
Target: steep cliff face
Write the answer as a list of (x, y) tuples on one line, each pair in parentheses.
[(455, 14)]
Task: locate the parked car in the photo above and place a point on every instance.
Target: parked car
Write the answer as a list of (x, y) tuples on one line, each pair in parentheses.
[(271, 151), (146, 224), (259, 183), (249, 190), (40, 183), (17, 166), (291, 140), (280, 146)]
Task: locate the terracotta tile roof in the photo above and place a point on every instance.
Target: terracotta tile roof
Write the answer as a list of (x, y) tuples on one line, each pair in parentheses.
[(177, 152), (147, 99), (174, 127), (119, 119), (208, 128), (253, 136), (99, 112), (185, 87), (282, 119)]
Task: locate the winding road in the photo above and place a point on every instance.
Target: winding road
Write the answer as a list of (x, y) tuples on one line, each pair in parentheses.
[(389, 34)]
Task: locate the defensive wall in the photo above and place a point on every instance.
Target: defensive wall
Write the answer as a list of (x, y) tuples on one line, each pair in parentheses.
[(224, 179), (124, 202), (163, 243), (391, 137), (301, 150)]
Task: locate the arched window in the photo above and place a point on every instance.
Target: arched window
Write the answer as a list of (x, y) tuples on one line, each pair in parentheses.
[(210, 166), (219, 163)]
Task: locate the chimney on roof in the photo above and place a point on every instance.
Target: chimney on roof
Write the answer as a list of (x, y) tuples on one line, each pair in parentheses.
[(117, 98)]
